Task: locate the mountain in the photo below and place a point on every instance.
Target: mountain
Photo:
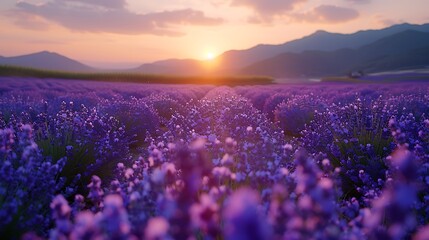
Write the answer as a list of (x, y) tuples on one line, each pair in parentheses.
[(318, 41), (321, 53), (306, 64), (46, 60), (398, 43), (417, 58), (406, 49), (234, 60)]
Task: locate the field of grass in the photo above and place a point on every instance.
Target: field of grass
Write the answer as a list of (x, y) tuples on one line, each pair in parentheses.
[(343, 79), (14, 71), (382, 78)]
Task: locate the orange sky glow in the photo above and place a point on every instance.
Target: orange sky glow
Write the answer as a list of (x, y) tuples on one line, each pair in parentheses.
[(127, 33)]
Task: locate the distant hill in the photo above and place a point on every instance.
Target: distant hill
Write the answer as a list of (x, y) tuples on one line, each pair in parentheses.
[(318, 41), (234, 60), (319, 54), (406, 49), (46, 60)]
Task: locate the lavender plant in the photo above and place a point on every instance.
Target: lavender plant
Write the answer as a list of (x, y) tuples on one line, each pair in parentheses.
[(28, 181), (89, 161)]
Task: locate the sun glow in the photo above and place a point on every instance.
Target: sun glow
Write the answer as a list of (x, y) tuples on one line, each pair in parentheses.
[(210, 56), (211, 62)]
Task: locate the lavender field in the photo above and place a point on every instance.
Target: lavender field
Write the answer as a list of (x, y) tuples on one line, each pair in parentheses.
[(93, 160)]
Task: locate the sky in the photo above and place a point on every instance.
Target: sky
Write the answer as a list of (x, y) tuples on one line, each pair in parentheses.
[(127, 33)]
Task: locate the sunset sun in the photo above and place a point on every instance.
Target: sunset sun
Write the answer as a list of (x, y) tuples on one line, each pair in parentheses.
[(210, 56)]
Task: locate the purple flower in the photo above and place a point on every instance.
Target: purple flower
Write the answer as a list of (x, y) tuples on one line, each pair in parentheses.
[(95, 191), (157, 228), (243, 217), (114, 220), (61, 212)]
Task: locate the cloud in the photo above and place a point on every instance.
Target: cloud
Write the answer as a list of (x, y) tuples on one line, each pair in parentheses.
[(104, 3), (46, 42), (327, 14), (111, 16), (387, 22), (267, 10), (27, 21), (359, 1), (268, 6)]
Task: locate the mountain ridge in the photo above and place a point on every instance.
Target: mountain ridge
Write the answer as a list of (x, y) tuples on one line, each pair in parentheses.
[(46, 60), (309, 48), (395, 48), (232, 61), (319, 40)]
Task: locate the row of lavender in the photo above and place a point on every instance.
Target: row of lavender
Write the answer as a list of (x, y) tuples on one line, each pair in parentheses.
[(84, 161)]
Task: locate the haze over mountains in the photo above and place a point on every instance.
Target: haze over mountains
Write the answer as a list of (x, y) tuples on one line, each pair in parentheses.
[(403, 46)]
